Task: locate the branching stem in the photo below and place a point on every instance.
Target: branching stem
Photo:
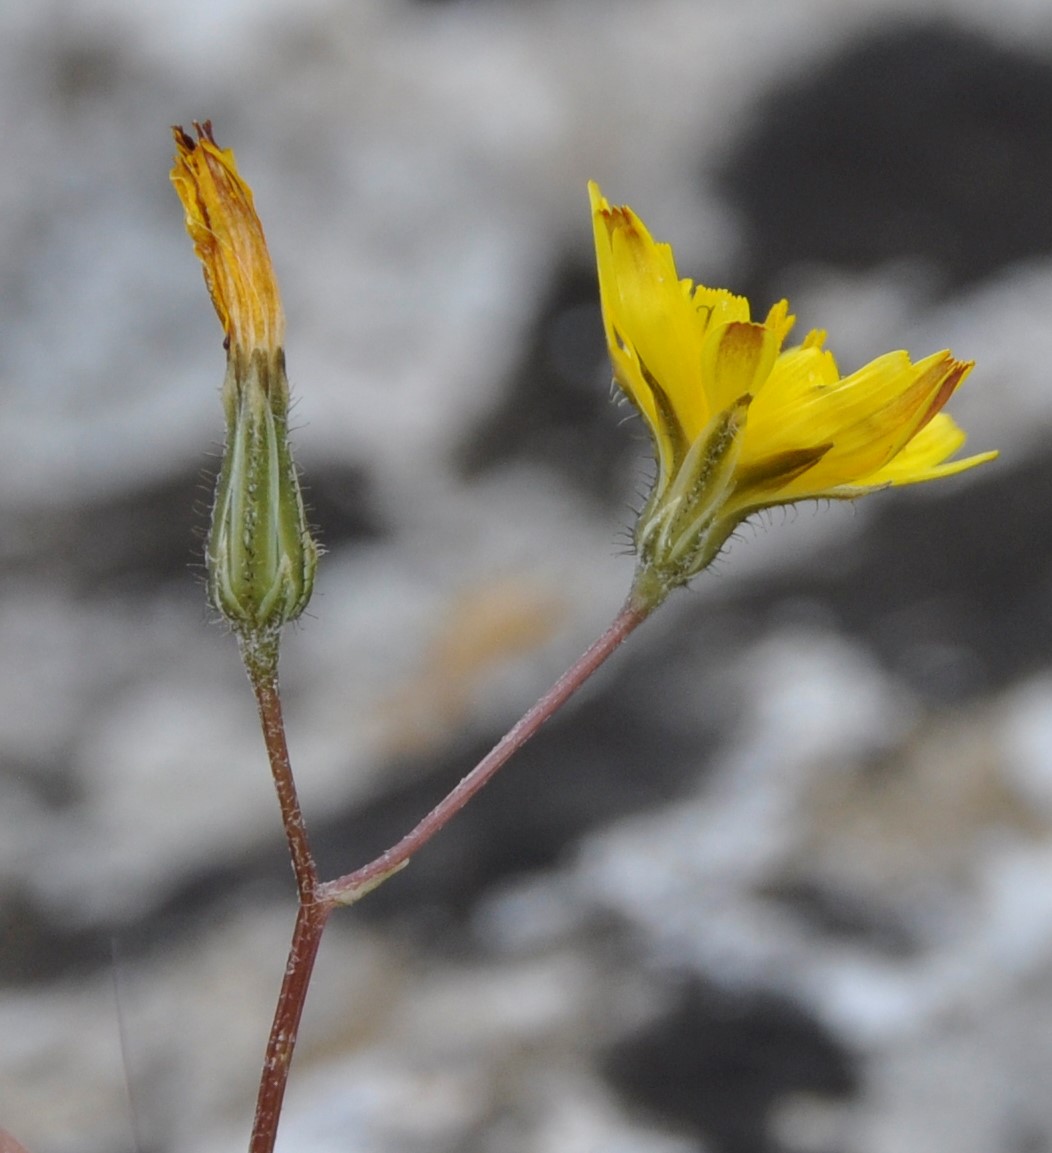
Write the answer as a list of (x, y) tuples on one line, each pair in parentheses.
[(347, 889), (317, 900)]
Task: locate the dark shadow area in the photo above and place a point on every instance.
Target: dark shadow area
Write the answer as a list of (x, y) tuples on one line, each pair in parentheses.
[(554, 410), (838, 914), (925, 140), (952, 590), (719, 1062), (140, 538)]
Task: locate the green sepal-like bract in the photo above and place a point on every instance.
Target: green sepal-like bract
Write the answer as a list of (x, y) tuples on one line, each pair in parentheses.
[(683, 525), (261, 556)]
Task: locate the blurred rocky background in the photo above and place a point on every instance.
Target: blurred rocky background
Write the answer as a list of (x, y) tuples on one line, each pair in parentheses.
[(780, 881)]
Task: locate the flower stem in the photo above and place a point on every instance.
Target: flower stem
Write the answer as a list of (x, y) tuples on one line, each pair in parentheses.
[(317, 900), (306, 937), (351, 887), (260, 656), (262, 668)]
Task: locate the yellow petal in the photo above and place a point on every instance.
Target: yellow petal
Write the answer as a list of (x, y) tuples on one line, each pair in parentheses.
[(228, 238), (736, 361), (714, 306), (865, 419), (879, 410), (656, 326), (647, 312), (926, 456), (740, 424)]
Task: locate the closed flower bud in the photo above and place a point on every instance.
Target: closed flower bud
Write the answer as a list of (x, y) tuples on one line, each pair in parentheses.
[(261, 557)]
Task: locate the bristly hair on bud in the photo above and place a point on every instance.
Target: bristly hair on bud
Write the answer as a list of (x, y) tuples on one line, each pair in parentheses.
[(261, 557)]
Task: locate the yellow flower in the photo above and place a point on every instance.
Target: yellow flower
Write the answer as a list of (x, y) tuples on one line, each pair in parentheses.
[(228, 237), (738, 422), (260, 555)]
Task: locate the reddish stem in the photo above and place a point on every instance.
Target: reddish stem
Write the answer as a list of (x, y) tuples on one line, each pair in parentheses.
[(316, 901), (306, 937), (348, 889), (9, 1145), (265, 685), (261, 663)]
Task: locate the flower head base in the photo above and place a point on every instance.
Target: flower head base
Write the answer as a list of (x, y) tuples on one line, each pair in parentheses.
[(738, 422), (261, 558)]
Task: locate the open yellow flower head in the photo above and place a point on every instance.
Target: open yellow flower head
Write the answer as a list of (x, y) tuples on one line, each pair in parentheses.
[(740, 423), (228, 238), (261, 557)]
